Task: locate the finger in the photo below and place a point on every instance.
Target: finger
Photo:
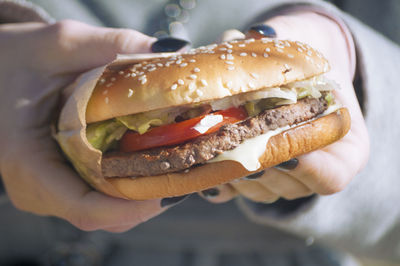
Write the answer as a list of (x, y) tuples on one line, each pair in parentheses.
[(219, 194), (46, 186), (282, 184), (254, 191), (230, 35), (330, 169), (80, 46)]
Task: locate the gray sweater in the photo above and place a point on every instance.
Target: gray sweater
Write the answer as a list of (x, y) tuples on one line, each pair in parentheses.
[(365, 217)]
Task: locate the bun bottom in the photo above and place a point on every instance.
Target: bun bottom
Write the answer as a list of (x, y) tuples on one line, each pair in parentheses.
[(296, 141)]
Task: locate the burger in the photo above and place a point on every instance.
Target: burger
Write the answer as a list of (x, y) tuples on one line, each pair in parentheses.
[(178, 124)]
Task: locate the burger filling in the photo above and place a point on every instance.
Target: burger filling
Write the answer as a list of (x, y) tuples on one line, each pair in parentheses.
[(175, 139)]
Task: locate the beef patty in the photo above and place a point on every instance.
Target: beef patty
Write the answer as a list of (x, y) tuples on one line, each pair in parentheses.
[(179, 157)]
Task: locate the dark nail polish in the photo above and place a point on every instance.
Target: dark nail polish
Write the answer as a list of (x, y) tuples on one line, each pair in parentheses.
[(264, 30), (255, 175), (288, 165), (211, 192), (168, 44), (165, 202)]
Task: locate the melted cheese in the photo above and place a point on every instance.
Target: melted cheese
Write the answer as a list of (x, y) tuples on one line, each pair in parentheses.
[(248, 152)]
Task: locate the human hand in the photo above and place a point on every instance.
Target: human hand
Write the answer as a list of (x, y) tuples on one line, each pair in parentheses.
[(325, 171), (37, 61)]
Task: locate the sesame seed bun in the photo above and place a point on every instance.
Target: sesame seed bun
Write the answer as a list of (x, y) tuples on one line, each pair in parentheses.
[(208, 73)]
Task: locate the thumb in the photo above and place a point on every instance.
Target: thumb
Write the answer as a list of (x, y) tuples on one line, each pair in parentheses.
[(78, 46)]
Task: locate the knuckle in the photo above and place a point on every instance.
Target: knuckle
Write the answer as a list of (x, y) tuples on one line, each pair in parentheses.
[(122, 38), (335, 185), (64, 31)]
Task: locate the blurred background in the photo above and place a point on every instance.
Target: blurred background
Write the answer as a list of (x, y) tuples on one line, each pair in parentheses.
[(193, 233)]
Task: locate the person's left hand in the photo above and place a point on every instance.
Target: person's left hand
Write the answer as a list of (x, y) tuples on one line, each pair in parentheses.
[(325, 171)]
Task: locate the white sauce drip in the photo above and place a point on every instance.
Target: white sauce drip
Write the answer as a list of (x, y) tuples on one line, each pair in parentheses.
[(208, 122), (250, 150)]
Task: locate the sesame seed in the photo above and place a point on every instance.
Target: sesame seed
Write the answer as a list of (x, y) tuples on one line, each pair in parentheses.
[(199, 93), (229, 57), (251, 85), (268, 49), (229, 62), (179, 62), (254, 75), (192, 87), (326, 67), (265, 55), (249, 40), (253, 54), (133, 75), (187, 98), (105, 92), (130, 93), (279, 50), (183, 64), (167, 64), (222, 49), (242, 45), (264, 40), (222, 57), (309, 52), (243, 54), (109, 85), (231, 67), (299, 49), (160, 65), (107, 100), (152, 69), (229, 51), (196, 70), (192, 61), (204, 82), (180, 82), (193, 76), (290, 55), (102, 80), (174, 86), (127, 75), (228, 45), (286, 66), (113, 79), (143, 81), (121, 72)]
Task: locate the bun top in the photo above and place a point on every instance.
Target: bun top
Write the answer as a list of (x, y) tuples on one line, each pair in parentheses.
[(202, 74)]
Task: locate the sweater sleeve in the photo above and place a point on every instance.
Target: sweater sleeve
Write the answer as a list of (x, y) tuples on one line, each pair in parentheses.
[(364, 218), (14, 11)]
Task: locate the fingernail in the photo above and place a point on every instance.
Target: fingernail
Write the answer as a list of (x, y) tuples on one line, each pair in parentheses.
[(264, 30), (288, 165), (168, 44), (255, 175), (210, 193), (165, 202)]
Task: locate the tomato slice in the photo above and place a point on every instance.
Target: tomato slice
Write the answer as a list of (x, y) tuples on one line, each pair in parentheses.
[(178, 132)]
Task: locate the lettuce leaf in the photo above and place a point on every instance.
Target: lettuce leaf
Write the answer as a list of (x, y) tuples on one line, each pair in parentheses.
[(103, 135)]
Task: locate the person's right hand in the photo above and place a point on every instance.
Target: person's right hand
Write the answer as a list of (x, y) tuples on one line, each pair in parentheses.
[(37, 61)]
